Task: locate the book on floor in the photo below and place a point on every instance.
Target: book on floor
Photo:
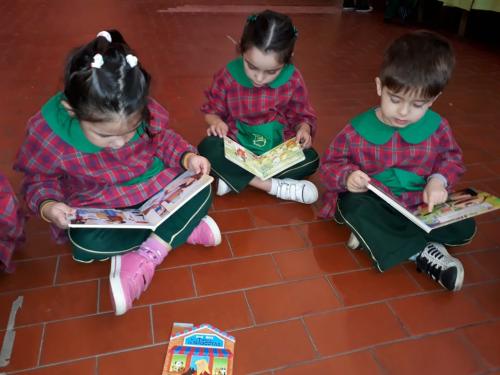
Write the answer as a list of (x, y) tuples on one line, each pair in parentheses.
[(460, 205), (269, 163), (149, 215), (201, 349)]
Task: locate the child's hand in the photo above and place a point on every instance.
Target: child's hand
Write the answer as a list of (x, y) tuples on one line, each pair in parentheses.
[(218, 129), (198, 164), (56, 213), (357, 181), (434, 193), (304, 135)]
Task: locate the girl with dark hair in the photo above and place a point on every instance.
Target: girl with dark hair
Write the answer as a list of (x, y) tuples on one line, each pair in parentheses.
[(260, 100), (103, 142)]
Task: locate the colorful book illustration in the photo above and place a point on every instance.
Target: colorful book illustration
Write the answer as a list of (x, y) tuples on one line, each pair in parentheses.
[(151, 214), (269, 163), (460, 205), (200, 350)]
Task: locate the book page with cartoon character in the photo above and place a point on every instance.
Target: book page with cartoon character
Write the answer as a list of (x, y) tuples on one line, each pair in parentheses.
[(460, 205), (151, 214), (269, 163)]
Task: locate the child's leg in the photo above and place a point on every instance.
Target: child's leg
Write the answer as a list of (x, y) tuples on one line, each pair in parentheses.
[(233, 177), (131, 273), (382, 231), (289, 185)]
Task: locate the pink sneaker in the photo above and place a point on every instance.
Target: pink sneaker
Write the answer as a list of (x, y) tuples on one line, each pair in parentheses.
[(131, 275), (207, 233)]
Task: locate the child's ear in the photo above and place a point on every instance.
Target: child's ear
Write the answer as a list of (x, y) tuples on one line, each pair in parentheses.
[(378, 83), (68, 108)]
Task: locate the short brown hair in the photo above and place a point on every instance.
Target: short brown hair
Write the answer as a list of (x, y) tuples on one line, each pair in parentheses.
[(419, 61)]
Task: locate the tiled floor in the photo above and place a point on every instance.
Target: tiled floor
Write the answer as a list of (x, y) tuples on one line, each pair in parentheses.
[(282, 281)]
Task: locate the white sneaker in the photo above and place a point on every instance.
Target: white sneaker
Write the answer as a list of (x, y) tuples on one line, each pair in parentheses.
[(301, 191), (353, 242), (222, 187)]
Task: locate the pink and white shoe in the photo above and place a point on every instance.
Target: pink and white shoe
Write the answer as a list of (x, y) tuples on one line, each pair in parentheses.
[(207, 233), (131, 275)]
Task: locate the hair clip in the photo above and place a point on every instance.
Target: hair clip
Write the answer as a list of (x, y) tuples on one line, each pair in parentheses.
[(132, 60), (295, 31), (97, 62), (252, 18), (105, 35)]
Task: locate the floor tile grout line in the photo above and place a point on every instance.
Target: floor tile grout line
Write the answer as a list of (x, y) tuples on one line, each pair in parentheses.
[(367, 348), (400, 321), (233, 291), (249, 306), (336, 292), (42, 340), (98, 307), (193, 282), (310, 337), (472, 348), (378, 361), (151, 324)]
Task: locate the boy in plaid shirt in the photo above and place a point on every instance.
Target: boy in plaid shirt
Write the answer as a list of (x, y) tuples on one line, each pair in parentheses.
[(407, 150), (104, 143), (11, 224), (260, 100)]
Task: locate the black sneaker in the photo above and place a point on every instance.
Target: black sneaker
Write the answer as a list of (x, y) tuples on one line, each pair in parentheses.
[(348, 5), (435, 261)]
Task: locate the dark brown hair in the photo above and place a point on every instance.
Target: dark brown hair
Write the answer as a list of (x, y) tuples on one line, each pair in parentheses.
[(420, 61), (269, 31)]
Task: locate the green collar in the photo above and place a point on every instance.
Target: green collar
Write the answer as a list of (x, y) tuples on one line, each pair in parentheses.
[(68, 128), (375, 131), (237, 71)]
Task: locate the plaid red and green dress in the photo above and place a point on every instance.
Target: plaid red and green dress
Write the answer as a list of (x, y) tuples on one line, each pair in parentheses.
[(350, 151), (286, 102), (11, 223), (54, 169)]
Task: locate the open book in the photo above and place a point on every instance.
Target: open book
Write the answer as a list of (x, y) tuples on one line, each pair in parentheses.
[(201, 349), (269, 163), (150, 214), (460, 205)]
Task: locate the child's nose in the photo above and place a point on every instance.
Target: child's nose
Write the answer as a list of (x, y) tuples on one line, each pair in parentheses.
[(403, 109)]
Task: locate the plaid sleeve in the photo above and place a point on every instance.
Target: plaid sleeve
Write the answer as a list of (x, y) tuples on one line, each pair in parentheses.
[(38, 159), (11, 223), (336, 162), (299, 109), (216, 95), (171, 146), (449, 162)]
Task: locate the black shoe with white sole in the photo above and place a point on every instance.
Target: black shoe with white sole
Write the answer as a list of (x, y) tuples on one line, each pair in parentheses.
[(435, 261)]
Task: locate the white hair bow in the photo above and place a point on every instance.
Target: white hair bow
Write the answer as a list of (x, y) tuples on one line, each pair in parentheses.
[(132, 60), (104, 34), (97, 62)]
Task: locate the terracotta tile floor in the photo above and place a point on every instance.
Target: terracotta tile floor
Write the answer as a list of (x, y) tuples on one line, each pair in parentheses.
[(282, 281)]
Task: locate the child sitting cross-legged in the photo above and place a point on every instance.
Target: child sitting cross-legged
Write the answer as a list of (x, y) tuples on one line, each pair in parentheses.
[(409, 151)]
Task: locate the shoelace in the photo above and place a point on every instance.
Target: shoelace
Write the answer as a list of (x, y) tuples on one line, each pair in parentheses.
[(434, 270)]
